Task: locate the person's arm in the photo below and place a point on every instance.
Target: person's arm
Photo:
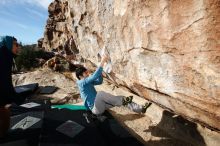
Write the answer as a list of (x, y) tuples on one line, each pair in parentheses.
[(94, 76), (97, 73), (98, 81), (104, 60)]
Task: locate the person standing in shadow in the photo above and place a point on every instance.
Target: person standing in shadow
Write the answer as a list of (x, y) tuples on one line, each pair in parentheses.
[(8, 50)]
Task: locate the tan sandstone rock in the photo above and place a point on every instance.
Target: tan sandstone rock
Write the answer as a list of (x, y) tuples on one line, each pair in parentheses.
[(167, 51)]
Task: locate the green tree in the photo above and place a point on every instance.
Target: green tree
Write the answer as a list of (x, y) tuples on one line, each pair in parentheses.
[(26, 60)]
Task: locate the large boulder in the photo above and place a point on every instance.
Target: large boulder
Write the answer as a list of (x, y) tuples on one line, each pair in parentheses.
[(165, 51)]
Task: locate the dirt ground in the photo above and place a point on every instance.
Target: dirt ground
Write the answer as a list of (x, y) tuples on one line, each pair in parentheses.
[(144, 129), (141, 126)]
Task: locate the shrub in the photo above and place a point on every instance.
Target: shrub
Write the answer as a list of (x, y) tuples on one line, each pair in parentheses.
[(27, 58)]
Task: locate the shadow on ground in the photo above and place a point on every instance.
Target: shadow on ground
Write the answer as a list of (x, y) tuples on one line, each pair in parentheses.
[(172, 130)]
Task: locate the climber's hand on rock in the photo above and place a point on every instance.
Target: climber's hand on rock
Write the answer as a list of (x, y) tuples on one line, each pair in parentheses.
[(104, 60), (104, 74)]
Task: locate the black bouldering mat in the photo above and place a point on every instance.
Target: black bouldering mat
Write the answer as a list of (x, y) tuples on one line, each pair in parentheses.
[(83, 128), (55, 118), (95, 132), (48, 90), (18, 118), (26, 89), (28, 135), (16, 143), (18, 109)]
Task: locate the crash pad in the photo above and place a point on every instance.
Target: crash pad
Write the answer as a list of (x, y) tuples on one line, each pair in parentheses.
[(69, 106)]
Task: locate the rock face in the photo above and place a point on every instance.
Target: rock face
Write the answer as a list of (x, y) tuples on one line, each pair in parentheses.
[(165, 51)]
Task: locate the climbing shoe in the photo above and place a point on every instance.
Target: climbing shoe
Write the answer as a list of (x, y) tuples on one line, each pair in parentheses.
[(146, 105), (127, 100)]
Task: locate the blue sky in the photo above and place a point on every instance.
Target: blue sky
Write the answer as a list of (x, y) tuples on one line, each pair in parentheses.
[(24, 19)]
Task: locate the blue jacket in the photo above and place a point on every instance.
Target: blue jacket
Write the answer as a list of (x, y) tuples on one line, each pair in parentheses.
[(87, 87)]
